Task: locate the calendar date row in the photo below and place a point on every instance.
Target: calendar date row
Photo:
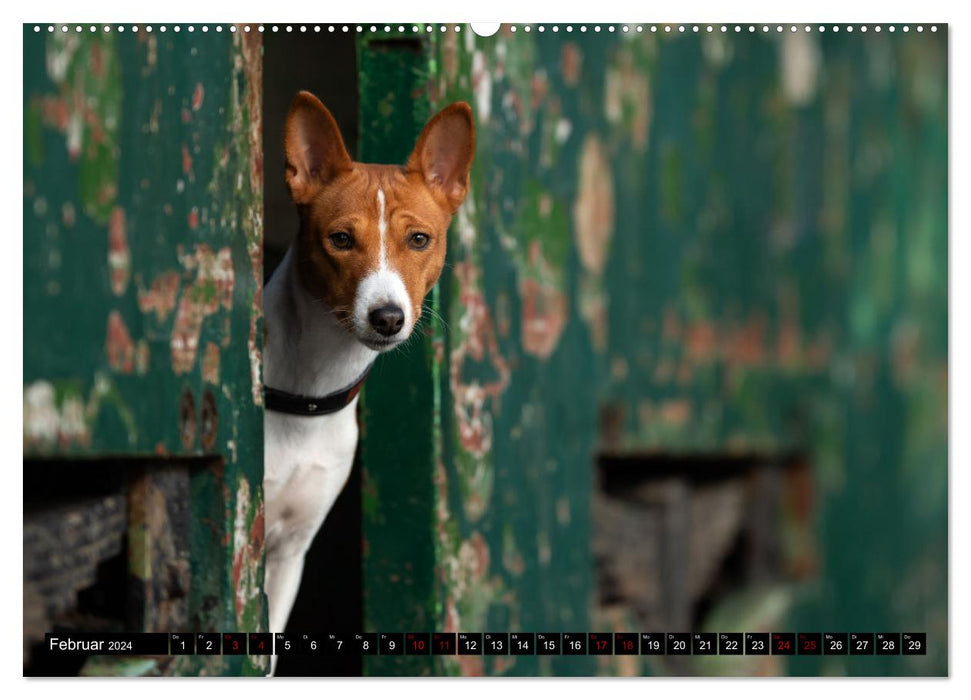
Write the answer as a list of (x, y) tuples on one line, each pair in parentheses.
[(499, 643)]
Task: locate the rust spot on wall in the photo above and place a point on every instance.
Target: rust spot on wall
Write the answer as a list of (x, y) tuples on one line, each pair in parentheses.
[(187, 164), (675, 412), (538, 89), (151, 54), (741, 344), (700, 340), (627, 98), (97, 61), (478, 341), (593, 213), (619, 368), (438, 346), (209, 421), (470, 591), (512, 558), (68, 215), (745, 345), (593, 223), (197, 96), (478, 553), (212, 289), (119, 256), (160, 298), (54, 112), (210, 364), (544, 309), (119, 345), (570, 61)]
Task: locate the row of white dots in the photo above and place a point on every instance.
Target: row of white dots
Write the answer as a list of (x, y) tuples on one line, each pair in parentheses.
[(246, 28), (666, 28), (725, 28)]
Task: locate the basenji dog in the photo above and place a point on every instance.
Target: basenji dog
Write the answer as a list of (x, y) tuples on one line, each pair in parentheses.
[(370, 245)]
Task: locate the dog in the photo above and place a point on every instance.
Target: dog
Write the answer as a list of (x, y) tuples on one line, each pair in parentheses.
[(370, 245)]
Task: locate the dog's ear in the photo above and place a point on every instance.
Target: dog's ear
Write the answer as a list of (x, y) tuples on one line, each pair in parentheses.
[(444, 152), (314, 148)]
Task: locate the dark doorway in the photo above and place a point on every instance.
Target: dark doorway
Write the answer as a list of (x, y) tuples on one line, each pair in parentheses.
[(675, 535), (326, 65), (79, 516)]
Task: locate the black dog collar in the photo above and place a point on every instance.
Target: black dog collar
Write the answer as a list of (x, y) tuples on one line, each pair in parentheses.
[(285, 402)]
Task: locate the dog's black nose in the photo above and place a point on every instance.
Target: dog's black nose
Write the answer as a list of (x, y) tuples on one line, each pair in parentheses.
[(387, 320)]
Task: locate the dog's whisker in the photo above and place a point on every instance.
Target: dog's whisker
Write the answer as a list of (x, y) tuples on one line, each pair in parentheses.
[(436, 315)]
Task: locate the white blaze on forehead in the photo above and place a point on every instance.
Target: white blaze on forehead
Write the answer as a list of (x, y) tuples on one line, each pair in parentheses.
[(382, 286), (382, 231)]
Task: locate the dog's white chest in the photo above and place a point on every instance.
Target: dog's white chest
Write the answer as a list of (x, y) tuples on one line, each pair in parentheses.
[(308, 460)]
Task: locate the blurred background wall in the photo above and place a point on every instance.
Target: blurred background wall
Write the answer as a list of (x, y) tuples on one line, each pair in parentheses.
[(689, 357)]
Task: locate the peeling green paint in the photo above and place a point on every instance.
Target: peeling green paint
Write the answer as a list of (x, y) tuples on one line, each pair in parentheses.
[(108, 199), (86, 108), (757, 278)]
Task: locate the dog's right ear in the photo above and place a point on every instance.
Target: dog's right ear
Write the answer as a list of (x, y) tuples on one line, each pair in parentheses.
[(314, 148)]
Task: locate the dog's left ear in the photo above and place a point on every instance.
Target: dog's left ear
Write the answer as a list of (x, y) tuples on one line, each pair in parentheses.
[(444, 152)]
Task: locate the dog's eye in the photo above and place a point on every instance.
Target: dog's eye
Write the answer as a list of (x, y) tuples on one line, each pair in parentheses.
[(341, 240), (419, 240)]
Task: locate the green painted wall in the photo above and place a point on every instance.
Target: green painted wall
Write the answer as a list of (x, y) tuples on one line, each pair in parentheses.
[(143, 280), (739, 243)]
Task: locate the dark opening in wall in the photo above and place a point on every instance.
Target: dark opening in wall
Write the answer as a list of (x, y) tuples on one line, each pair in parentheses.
[(107, 549), (675, 535)]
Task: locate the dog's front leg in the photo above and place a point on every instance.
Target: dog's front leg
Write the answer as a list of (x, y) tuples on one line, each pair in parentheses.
[(282, 581), (298, 495)]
